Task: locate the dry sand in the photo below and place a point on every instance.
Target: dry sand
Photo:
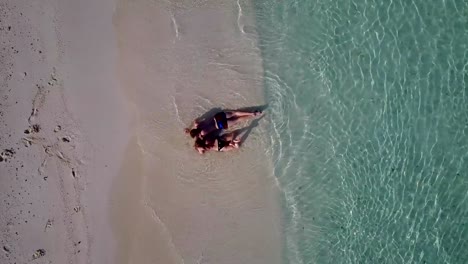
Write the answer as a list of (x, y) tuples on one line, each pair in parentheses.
[(64, 116), (95, 167)]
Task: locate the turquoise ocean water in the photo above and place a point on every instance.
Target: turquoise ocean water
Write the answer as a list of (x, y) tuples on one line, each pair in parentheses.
[(369, 108)]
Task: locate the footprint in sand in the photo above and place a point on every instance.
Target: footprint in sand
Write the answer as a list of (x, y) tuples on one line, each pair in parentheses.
[(7, 154), (33, 129), (39, 253)]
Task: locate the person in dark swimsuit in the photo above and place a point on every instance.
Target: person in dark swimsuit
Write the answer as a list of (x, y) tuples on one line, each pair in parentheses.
[(220, 121)]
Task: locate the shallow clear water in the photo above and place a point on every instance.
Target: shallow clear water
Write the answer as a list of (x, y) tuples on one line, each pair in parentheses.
[(370, 120)]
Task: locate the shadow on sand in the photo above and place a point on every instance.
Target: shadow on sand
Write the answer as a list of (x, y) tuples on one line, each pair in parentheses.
[(245, 131), (209, 114)]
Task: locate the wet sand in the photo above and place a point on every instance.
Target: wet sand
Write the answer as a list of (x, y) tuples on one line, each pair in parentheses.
[(179, 61), (95, 165)]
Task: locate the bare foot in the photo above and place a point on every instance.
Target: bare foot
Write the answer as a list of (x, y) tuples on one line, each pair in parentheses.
[(235, 143), (257, 113)]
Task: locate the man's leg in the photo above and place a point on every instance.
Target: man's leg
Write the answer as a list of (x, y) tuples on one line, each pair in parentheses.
[(234, 120), (233, 114)]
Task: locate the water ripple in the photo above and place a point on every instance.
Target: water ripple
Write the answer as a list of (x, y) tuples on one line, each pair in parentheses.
[(368, 105)]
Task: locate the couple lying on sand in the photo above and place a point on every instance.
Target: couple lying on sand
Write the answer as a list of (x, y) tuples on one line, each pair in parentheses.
[(208, 132)]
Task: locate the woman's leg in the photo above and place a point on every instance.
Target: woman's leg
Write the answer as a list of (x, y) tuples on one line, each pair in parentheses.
[(228, 148), (234, 142), (228, 136)]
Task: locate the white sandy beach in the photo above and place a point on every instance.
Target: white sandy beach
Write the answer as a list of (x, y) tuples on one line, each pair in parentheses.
[(95, 166)]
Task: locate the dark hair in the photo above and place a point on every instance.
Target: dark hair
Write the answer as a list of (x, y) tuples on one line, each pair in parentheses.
[(200, 143), (194, 132)]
